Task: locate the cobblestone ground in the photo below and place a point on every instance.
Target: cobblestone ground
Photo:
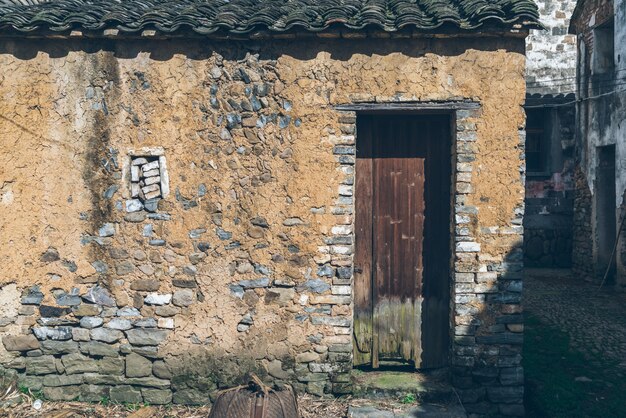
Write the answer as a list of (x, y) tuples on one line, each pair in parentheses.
[(595, 320)]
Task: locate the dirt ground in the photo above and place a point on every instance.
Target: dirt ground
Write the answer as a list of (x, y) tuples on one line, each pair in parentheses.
[(310, 407)]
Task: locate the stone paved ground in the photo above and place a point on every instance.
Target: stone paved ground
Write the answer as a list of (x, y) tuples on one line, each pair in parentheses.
[(420, 411), (594, 320), (574, 347)]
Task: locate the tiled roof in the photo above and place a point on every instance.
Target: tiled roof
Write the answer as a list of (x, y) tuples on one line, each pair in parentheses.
[(244, 16)]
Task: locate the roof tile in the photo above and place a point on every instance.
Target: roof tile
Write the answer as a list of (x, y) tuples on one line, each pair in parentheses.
[(244, 16)]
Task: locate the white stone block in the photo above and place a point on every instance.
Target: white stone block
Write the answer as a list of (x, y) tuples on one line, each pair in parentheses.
[(345, 190), (134, 173), (165, 178), (464, 177), (341, 230), (158, 299), (341, 249), (152, 180), (167, 323), (153, 195), (489, 276), (151, 188), (341, 290), (106, 230), (468, 247), (151, 173), (133, 205), (139, 161), (150, 166), (304, 299), (135, 189)]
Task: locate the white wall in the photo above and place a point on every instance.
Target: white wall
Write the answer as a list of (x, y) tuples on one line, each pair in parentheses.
[(551, 53), (619, 118)]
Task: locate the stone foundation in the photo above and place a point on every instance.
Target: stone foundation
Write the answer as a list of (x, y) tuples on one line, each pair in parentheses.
[(548, 248)]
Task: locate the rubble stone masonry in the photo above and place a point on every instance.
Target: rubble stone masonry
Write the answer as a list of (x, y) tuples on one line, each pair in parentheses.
[(582, 256), (110, 291), (551, 52)]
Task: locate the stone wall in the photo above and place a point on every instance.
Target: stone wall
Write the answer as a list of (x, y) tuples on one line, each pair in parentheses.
[(550, 196), (551, 64), (600, 121), (548, 247), (582, 249), (246, 264), (488, 321)]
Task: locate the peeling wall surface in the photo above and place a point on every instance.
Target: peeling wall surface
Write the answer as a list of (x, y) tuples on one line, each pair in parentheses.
[(247, 264), (601, 121)]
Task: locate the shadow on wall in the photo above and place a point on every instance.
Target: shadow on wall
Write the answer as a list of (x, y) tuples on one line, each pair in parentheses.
[(304, 49), (487, 339), (485, 352), (549, 247)]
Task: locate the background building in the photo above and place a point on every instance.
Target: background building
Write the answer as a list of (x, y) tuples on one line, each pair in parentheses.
[(601, 139), (550, 111)]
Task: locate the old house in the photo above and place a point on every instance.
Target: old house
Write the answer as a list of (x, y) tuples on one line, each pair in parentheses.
[(600, 248), (550, 126), (194, 190)]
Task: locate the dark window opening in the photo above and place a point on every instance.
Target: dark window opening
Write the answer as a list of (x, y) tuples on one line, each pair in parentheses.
[(604, 48), (537, 144)]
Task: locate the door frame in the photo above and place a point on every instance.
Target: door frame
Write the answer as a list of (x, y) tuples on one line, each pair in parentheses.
[(605, 212), (401, 110), (339, 247)]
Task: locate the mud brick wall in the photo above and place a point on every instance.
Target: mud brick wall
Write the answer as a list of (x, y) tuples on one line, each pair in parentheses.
[(246, 264)]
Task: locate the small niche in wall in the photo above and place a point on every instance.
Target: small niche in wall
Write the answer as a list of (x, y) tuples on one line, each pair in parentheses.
[(149, 181)]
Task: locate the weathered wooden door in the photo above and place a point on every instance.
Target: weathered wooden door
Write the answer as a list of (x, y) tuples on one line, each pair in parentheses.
[(402, 240)]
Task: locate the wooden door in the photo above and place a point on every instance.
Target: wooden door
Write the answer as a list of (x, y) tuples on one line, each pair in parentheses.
[(402, 240)]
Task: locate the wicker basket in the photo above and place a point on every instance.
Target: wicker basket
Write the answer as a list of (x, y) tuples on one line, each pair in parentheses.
[(256, 400)]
